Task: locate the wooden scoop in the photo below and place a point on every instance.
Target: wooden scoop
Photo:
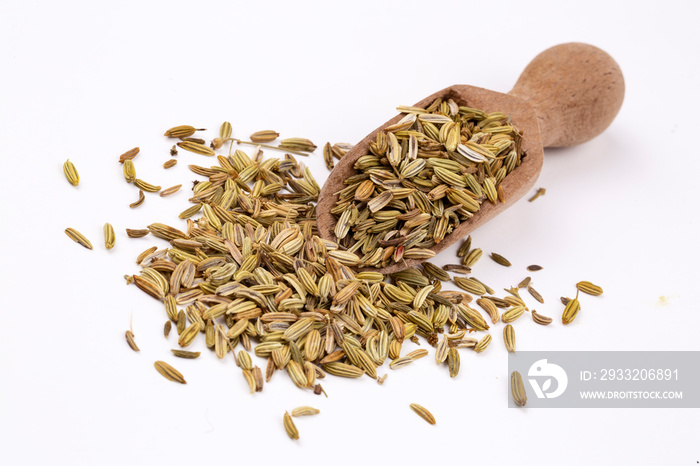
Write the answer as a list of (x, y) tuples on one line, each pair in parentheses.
[(567, 95)]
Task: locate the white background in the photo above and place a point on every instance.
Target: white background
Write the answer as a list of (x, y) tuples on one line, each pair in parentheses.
[(89, 80)]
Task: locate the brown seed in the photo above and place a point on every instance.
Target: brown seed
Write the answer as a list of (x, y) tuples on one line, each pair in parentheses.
[(524, 283), (170, 190), (457, 268), (258, 377), (533, 292), (166, 328), (490, 308), (130, 340), (169, 372), (76, 236), (540, 319), (139, 201), (534, 268), (170, 163), (129, 155), (269, 369), (138, 233), (328, 156)]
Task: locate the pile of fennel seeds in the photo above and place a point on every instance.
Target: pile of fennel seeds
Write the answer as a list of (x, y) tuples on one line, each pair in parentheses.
[(252, 275)]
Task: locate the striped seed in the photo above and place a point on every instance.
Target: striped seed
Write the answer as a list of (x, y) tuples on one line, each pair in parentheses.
[(299, 144), (137, 233), (422, 412), (441, 350), (129, 155), (524, 283), (589, 288), (78, 238), (540, 319), (453, 362), (130, 340), (490, 308), (170, 190), (470, 285), (465, 247), (169, 372), (499, 259), (535, 294), (513, 314), (196, 148), (149, 188), (289, 427), (517, 389), (185, 354), (71, 173), (483, 343), (509, 338), (570, 311), (140, 200), (304, 411), (473, 257), (129, 171), (182, 131), (264, 136)]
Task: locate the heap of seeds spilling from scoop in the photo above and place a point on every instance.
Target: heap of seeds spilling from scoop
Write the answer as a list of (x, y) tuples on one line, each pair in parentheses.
[(252, 275)]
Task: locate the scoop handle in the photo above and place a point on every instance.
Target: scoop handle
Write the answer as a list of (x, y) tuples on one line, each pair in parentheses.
[(576, 91)]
